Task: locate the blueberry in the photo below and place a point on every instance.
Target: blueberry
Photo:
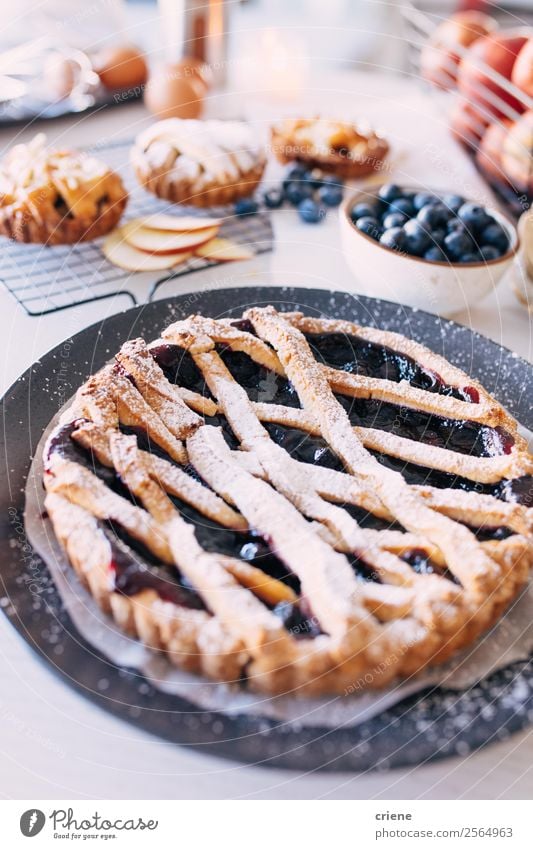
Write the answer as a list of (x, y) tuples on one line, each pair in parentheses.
[(437, 236), (393, 219), (393, 238), (246, 206), (489, 252), (297, 192), (473, 216), (466, 258), (435, 254), (453, 202), (390, 192), (273, 198), (457, 244), (310, 212), (417, 239), (330, 194), (455, 224), (403, 205), (495, 236), (369, 225), (297, 172), (363, 210), (314, 178), (332, 180), (432, 216), (423, 199)]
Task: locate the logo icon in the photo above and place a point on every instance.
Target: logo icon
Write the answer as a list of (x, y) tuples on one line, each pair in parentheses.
[(32, 822)]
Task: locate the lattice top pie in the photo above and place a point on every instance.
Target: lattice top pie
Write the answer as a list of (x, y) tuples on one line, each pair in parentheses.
[(203, 163), (303, 503), (57, 196)]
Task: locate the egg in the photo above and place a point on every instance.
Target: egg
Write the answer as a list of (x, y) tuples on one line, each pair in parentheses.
[(192, 67), (171, 94), (121, 67)]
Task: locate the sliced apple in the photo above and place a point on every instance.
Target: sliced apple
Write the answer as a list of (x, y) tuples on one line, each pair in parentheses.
[(178, 223), (223, 250), (120, 253), (164, 242)]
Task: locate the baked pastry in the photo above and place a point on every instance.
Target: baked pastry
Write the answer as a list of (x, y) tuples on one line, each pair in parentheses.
[(57, 197), (335, 146), (307, 504), (202, 163)]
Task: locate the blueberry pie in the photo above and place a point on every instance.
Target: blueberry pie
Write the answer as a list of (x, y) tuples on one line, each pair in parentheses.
[(57, 197), (343, 149), (299, 504), (202, 163)]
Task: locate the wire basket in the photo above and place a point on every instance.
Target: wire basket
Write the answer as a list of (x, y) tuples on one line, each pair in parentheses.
[(420, 20), (45, 279)]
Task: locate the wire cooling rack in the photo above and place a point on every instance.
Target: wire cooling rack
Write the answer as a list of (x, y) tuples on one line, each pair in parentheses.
[(46, 279)]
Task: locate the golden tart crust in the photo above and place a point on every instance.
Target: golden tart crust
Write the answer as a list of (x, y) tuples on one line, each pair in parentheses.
[(370, 630), (201, 163), (335, 146), (57, 197)]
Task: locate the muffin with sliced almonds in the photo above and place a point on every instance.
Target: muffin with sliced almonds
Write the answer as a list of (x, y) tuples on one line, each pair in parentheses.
[(57, 197)]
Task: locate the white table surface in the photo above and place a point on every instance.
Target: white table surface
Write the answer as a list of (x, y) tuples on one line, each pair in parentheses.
[(55, 744)]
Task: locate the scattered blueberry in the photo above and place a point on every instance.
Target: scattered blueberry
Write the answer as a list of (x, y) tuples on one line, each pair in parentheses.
[(390, 192), (297, 172), (363, 210), (393, 219), (423, 199), (332, 180), (369, 225), (246, 206), (458, 244), (330, 194), (310, 212), (273, 199), (488, 252), (297, 192), (394, 238), (473, 216), (314, 178), (417, 239), (435, 254), (453, 202), (495, 236)]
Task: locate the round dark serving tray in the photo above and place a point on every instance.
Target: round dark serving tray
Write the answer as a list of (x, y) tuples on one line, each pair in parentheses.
[(434, 724)]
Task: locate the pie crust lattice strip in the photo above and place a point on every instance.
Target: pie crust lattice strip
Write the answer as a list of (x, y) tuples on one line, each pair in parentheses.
[(295, 503)]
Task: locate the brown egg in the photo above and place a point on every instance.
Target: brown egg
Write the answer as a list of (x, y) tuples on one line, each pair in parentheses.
[(192, 67), (169, 94), (121, 67)]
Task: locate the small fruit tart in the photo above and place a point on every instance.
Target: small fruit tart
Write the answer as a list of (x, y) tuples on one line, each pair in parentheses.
[(335, 146), (202, 163), (57, 197)]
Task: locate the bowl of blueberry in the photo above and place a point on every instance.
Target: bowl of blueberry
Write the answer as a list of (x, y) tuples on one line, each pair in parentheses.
[(434, 250)]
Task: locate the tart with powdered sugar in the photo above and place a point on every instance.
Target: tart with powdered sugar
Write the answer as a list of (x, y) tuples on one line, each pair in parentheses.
[(339, 147), (292, 504), (202, 163), (57, 197)]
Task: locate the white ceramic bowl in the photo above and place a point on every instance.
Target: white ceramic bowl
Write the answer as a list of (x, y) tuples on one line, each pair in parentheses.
[(439, 287)]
